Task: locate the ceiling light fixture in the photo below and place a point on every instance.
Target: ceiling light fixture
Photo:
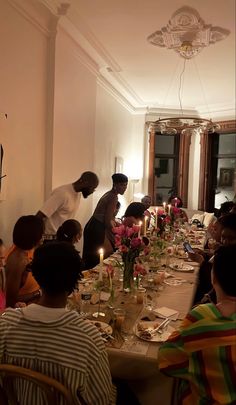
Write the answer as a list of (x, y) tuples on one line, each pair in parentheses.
[(186, 34)]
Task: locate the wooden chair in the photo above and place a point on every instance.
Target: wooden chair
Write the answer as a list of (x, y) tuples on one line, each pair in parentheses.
[(52, 388)]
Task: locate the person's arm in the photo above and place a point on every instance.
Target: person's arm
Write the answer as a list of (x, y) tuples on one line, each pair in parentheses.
[(56, 200), (15, 267), (41, 215), (109, 217)]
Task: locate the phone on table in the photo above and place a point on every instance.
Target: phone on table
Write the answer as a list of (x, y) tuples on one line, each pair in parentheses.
[(188, 248)]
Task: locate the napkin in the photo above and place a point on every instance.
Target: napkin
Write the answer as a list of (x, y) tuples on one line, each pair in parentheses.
[(165, 312)]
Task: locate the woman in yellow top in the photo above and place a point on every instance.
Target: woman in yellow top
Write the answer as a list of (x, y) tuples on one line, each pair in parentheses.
[(20, 284)]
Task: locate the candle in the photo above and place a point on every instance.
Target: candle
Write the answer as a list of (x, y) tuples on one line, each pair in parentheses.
[(164, 206), (145, 226), (140, 226), (175, 202), (101, 255), (169, 207)]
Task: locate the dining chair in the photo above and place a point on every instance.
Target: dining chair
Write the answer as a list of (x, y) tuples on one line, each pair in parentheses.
[(51, 388)]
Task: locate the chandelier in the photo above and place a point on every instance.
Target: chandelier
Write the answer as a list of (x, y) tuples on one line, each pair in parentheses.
[(187, 34), (184, 125)]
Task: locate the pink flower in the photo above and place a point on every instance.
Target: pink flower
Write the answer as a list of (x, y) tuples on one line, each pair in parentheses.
[(161, 212), (167, 219), (123, 249), (175, 210), (139, 269), (110, 270), (136, 228), (119, 230), (146, 250), (135, 243), (129, 232)]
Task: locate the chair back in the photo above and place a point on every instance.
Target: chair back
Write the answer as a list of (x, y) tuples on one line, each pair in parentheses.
[(52, 389)]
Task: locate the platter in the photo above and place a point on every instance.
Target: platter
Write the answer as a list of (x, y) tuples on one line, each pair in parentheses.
[(142, 328), (182, 267)]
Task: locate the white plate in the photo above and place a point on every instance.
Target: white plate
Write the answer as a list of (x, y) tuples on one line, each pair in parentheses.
[(182, 267), (173, 281), (158, 337), (103, 327)]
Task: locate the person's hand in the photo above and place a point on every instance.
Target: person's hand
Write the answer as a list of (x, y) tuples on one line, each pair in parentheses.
[(196, 257)]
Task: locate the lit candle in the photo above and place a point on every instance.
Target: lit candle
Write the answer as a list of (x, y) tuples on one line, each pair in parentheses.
[(175, 202), (145, 226), (101, 254), (139, 231), (164, 206), (169, 207)]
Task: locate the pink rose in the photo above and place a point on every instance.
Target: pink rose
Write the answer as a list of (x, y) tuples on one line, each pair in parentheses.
[(167, 219), (119, 230), (139, 269), (123, 249), (129, 232), (135, 243), (175, 210)]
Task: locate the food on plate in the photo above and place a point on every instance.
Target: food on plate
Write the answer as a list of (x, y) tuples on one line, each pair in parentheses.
[(144, 326), (144, 334)]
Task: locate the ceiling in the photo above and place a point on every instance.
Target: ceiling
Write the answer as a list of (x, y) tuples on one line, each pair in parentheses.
[(114, 34)]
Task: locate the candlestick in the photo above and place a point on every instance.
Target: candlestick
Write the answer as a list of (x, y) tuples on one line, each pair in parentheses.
[(101, 254), (164, 206), (145, 226), (140, 226), (169, 207)]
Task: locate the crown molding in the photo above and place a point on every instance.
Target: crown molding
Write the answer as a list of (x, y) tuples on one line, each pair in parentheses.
[(31, 14)]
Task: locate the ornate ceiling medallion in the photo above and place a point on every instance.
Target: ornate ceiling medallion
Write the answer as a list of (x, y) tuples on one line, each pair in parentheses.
[(187, 34)]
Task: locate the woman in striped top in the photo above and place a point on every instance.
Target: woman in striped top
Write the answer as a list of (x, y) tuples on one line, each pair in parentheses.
[(203, 351), (46, 337)]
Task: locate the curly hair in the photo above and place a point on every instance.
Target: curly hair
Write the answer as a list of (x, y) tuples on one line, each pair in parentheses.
[(57, 267)]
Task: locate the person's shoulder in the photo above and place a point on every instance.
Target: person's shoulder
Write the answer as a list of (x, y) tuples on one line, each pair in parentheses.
[(203, 311), (10, 317)]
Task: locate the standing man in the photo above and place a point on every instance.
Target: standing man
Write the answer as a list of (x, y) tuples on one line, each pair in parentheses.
[(98, 231), (64, 202)]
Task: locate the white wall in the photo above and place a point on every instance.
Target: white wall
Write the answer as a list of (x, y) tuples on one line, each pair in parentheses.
[(23, 50), (118, 133)]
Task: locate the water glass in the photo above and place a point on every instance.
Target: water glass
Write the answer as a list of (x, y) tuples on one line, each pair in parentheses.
[(119, 318)]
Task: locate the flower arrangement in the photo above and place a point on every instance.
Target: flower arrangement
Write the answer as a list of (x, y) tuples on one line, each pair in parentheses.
[(129, 244), (139, 271)]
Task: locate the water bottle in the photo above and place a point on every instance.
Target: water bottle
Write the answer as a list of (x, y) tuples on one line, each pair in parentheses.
[(86, 295)]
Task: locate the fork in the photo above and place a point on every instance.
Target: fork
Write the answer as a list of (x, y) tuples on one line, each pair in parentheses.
[(161, 327)]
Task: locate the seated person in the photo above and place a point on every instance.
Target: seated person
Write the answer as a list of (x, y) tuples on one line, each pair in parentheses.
[(147, 201), (69, 231), (225, 208), (177, 203), (20, 284), (52, 339), (202, 351), (224, 233), (134, 214)]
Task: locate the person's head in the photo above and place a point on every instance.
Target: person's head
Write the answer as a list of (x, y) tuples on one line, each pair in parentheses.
[(225, 208), (69, 231), (146, 201), (223, 273), (86, 184), (228, 232), (117, 208), (119, 182), (175, 201), (28, 232), (136, 210), (56, 267)]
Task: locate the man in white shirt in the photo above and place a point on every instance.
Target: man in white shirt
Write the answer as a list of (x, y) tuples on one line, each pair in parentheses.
[(64, 201)]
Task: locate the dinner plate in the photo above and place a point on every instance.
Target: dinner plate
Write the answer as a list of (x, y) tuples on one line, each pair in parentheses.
[(182, 267), (103, 327), (149, 326), (173, 282)]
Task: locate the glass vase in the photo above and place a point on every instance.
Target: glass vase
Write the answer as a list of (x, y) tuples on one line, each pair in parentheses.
[(128, 275)]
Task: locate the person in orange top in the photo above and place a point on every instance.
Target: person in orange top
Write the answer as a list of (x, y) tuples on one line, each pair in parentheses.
[(20, 284)]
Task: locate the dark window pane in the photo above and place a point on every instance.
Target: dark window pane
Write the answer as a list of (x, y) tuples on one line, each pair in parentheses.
[(164, 144), (227, 144)]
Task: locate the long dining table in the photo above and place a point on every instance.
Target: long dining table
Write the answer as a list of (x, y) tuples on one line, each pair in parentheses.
[(133, 359)]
